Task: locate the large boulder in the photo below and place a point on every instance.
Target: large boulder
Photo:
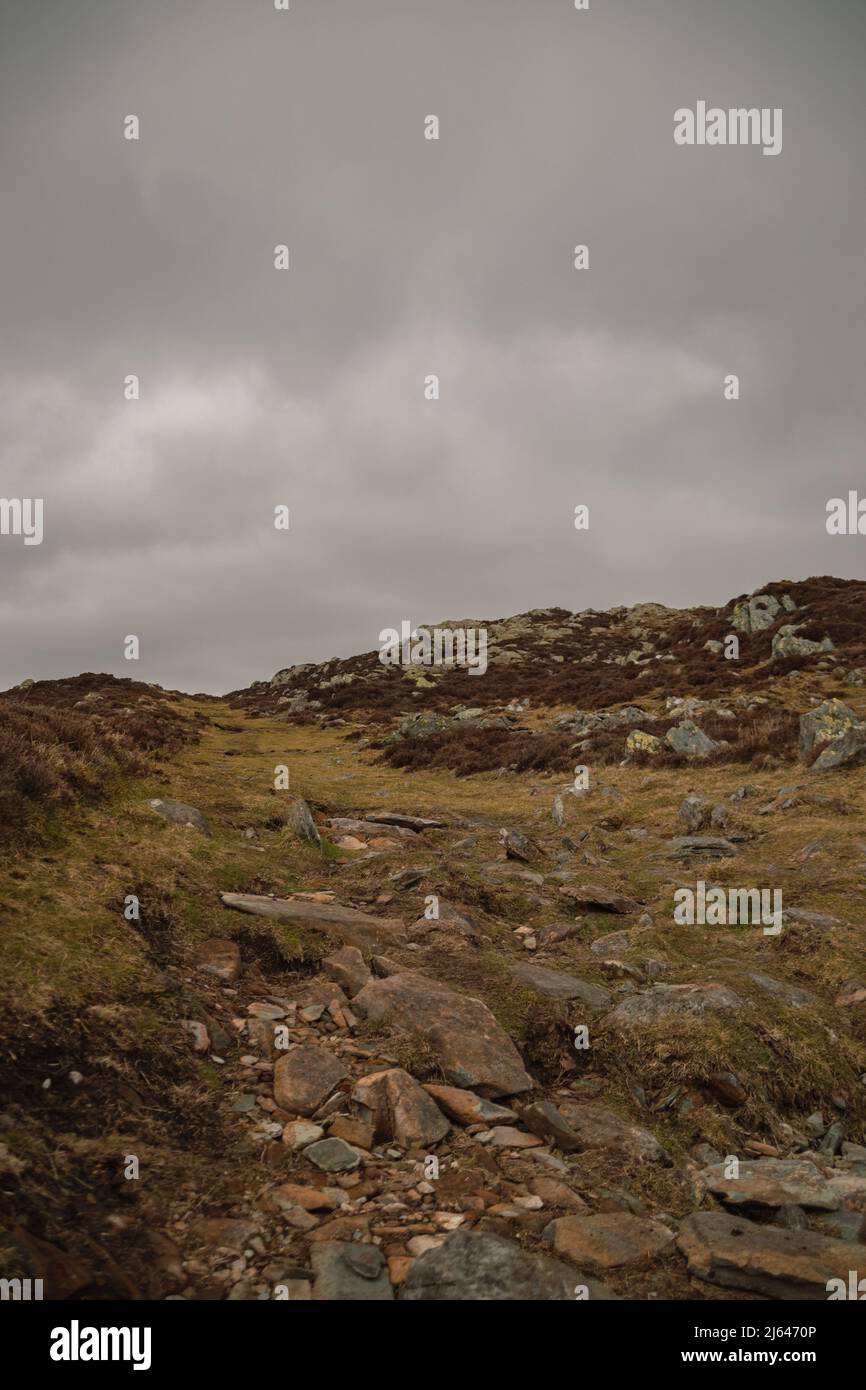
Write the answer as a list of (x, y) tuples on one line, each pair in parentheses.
[(786, 643), (755, 614), (477, 1266), (472, 1049), (835, 732)]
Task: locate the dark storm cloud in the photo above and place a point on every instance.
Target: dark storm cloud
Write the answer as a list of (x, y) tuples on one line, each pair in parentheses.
[(411, 257)]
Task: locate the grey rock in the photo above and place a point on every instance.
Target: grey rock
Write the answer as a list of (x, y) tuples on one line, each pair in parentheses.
[(180, 814), (597, 1127), (785, 643), (348, 925), (301, 821), (555, 984), (707, 846), (755, 614), (480, 1267), (399, 818), (333, 1156), (664, 1001), (344, 1272), (738, 1254), (694, 812), (690, 741)]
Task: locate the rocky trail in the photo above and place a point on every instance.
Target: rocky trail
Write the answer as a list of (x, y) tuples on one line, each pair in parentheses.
[(488, 1183), (424, 1036)]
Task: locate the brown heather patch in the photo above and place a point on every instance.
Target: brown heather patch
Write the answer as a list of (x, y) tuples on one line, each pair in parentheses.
[(53, 755)]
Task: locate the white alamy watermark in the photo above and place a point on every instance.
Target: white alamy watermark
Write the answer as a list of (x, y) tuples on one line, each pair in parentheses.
[(21, 1290), (437, 646), (720, 907), (855, 1290), (737, 126), (22, 516), (846, 518), (77, 1343)]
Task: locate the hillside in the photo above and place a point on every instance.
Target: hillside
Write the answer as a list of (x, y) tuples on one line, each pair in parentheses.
[(439, 942)]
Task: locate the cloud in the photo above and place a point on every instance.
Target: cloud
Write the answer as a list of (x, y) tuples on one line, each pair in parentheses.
[(408, 258)]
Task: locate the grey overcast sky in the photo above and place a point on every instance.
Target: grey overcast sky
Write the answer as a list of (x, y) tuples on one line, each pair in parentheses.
[(410, 257)]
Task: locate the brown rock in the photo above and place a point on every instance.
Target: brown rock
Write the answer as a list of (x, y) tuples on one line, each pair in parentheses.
[(62, 1275), (472, 1048), (467, 1108), (608, 1240), (220, 957), (304, 1078), (347, 967), (544, 1119), (507, 1137), (290, 1194), (401, 1109), (852, 992), (355, 1132)]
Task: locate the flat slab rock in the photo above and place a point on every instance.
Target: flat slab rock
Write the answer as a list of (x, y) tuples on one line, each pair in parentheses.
[(739, 1254), (467, 1108), (779, 1182), (180, 814), (664, 1000), (594, 899), (417, 823), (351, 1272), (555, 984), (348, 925), (349, 825), (473, 1050), (475, 1265), (711, 846), (608, 1240)]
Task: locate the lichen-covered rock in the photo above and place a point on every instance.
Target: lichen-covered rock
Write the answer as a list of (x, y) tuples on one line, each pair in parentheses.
[(785, 643), (640, 742), (835, 731), (755, 614)]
